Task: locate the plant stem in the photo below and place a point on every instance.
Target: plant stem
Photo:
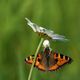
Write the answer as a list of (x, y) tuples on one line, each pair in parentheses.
[(29, 77)]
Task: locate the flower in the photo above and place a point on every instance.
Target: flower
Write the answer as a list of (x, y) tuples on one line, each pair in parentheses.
[(43, 32)]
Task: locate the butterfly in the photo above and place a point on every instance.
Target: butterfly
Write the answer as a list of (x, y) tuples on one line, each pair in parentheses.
[(48, 60), (43, 32)]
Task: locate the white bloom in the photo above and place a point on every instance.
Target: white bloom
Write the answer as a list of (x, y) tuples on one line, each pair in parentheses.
[(45, 32)]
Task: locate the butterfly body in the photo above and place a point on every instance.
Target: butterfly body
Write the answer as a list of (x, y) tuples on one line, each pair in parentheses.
[(48, 60)]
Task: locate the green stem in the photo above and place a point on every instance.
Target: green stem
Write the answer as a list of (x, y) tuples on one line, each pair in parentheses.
[(29, 77)]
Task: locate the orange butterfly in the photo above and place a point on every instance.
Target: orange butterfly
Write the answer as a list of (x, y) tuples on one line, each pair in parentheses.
[(48, 60)]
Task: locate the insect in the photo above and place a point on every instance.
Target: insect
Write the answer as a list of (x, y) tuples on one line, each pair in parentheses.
[(48, 60), (43, 32)]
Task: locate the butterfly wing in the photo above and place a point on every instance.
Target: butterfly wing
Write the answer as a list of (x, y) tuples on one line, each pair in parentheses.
[(60, 61), (29, 59), (38, 60)]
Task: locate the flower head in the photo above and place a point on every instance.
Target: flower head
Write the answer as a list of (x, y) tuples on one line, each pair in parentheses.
[(43, 32)]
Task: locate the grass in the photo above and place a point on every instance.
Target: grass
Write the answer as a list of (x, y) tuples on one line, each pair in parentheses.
[(37, 50)]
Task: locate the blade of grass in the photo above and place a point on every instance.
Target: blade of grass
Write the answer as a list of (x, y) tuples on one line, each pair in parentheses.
[(29, 77)]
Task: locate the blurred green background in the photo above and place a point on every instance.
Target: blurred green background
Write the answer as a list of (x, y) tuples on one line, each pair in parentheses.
[(17, 40)]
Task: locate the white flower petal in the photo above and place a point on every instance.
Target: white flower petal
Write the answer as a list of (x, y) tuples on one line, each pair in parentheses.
[(31, 24)]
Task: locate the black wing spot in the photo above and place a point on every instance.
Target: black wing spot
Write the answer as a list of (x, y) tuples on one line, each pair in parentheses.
[(28, 58), (32, 55), (56, 55), (56, 60), (66, 57), (38, 55), (39, 60), (70, 60), (25, 59), (61, 56)]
